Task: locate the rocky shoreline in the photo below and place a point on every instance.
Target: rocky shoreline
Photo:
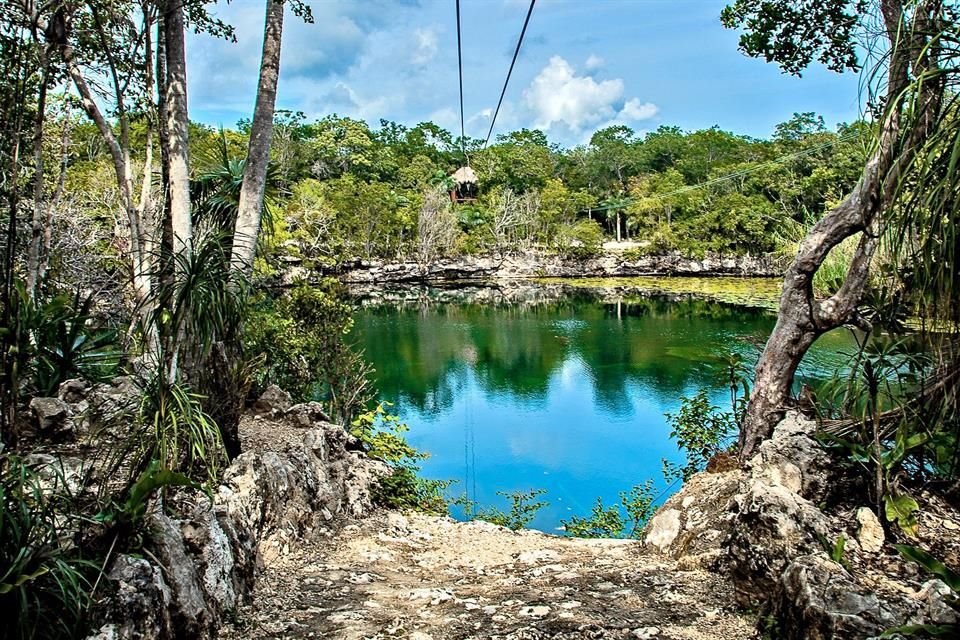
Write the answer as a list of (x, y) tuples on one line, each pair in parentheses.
[(535, 264)]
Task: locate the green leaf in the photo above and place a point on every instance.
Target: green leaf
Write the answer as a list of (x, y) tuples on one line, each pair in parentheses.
[(934, 630), (901, 510), (936, 567)]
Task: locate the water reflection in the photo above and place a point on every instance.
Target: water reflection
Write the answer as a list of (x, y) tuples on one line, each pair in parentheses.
[(567, 394)]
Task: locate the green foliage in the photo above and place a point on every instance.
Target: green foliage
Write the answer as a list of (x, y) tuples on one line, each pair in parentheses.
[(794, 33), (175, 434), (626, 520), (405, 490), (57, 339), (301, 337), (835, 550), (882, 428), (131, 512), (44, 587), (523, 509), (950, 577), (582, 240), (701, 431), (381, 434)]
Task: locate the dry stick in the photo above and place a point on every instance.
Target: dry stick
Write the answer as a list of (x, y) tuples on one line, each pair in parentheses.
[(103, 567)]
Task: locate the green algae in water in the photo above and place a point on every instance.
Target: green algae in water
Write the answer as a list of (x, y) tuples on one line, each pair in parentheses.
[(760, 293)]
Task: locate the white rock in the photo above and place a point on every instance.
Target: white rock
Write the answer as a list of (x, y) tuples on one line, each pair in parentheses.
[(537, 611), (869, 530), (663, 529)]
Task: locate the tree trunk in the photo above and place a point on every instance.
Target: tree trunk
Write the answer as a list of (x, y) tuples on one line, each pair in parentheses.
[(44, 263), (802, 318), (178, 155), (247, 228), (36, 228)]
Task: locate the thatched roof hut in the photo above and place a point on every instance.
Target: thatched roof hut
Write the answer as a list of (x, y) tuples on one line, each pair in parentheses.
[(465, 175)]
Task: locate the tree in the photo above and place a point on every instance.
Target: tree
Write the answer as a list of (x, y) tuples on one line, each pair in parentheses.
[(247, 228), (130, 80), (793, 33)]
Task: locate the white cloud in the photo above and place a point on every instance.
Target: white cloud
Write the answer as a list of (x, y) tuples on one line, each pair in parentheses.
[(347, 101), (558, 95), (594, 62), (426, 50), (633, 109)]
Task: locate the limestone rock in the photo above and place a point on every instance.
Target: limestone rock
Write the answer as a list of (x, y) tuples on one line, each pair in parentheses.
[(139, 608), (870, 534), (273, 401), (306, 415), (772, 526), (663, 529), (73, 391), (794, 459), (52, 416), (819, 599), (209, 557), (534, 264), (189, 612)]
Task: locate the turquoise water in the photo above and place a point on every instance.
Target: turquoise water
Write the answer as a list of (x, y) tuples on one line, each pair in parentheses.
[(566, 395)]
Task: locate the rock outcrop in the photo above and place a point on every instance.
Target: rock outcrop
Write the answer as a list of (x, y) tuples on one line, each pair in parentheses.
[(763, 526), (535, 264), (203, 562)]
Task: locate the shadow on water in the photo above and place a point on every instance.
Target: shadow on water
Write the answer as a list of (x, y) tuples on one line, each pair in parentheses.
[(562, 389)]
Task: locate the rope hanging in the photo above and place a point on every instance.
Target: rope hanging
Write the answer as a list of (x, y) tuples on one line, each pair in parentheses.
[(516, 53)]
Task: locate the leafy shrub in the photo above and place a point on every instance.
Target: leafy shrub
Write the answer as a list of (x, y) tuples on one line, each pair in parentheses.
[(580, 241), (702, 431), (301, 338), (44, 586), (405, 490), (381, 434), (626, 520), (523, 509)]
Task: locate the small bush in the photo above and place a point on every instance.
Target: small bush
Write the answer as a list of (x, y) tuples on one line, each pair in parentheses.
[(301, 338), (702, 431), (44, 583), (580, 241), (382, 436), (626, 520), (523, 509)]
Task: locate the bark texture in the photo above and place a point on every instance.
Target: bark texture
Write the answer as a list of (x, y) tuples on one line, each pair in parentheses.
[(802, 318), (177, 127), (247, 229)]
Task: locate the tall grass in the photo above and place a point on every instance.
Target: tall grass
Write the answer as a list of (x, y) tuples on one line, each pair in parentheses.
[(44, 585)]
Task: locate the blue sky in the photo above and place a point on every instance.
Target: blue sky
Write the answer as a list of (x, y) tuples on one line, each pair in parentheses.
[(584, 64)]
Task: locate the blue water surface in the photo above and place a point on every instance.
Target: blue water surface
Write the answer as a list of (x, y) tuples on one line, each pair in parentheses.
[(568, 395)]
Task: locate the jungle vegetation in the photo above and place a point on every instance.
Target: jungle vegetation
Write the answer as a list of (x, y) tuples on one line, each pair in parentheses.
[(136, 240)]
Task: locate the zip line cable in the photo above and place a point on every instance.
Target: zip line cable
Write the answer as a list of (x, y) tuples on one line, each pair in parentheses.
[(731, 176), (463, 135), (510, 71)]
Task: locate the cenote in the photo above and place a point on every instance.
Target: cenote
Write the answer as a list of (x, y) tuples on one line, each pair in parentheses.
[(559, 387)]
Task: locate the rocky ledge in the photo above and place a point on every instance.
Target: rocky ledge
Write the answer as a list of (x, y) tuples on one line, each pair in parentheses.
[(767, 527), (534, 264), (301, 478)]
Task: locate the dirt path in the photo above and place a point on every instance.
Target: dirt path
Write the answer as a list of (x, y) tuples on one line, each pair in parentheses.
[(421, 577)]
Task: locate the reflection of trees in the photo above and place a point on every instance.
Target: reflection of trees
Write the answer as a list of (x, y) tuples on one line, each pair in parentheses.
[(664, 344)]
